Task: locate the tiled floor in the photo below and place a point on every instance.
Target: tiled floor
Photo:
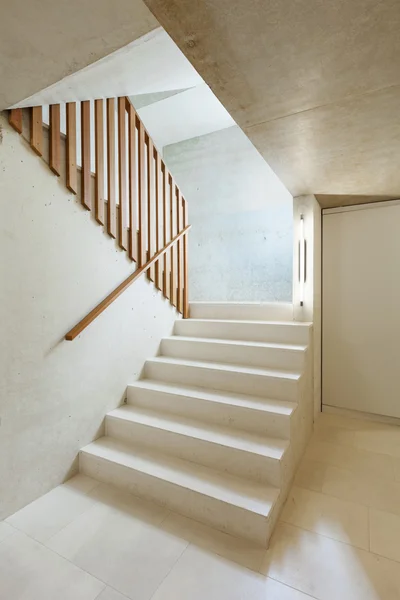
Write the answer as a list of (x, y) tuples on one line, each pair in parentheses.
[(338, 538)]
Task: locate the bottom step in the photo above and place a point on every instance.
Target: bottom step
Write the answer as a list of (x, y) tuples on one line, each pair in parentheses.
[(240, 507)]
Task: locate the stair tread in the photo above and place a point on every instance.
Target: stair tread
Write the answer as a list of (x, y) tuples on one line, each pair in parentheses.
[(227, 367), (277, 346), (255, 497), (237, 439), (283, 407), (251, 322)]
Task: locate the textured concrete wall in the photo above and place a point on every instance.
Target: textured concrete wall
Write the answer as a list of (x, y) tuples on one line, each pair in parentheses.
[(241, 240), (65, 38), (55, 265)]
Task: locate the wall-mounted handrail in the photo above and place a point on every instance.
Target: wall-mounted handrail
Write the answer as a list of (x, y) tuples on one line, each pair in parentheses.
[(134, 196), (75, 331)]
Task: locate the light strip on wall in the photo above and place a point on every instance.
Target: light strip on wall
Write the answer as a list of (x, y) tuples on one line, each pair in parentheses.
[(302, 261)]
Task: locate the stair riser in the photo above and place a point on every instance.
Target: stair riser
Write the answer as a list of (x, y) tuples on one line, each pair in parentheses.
[(227, 415), (256, 332), (265, 386), (240, 355), (268, 311), (222, 458), (215, 513)]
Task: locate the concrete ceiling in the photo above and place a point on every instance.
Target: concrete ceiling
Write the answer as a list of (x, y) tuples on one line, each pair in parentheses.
[(170, 96), (42, 41), (149, 65), (315, 85)]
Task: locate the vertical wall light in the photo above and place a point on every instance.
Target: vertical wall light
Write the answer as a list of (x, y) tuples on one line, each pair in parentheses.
[(302, 261)]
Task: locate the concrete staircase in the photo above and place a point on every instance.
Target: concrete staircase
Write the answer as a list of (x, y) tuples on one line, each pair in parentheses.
[(215, 428)]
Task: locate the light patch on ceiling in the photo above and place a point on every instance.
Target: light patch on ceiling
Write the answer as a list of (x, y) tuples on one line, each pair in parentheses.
[(190, 114), (142, 100), (149, 65), (169, 95)]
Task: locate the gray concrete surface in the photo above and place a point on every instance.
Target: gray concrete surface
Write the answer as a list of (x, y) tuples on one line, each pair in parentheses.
[(241, 240), (315, 85)]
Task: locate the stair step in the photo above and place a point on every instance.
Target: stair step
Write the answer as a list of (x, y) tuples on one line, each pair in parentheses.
[(239, 411), (261, 354), (284, 332), (236, 506), (236, 452), (273, 383), (279, 311)]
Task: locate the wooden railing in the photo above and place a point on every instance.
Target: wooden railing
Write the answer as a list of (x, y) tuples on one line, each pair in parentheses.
[(133, 194)]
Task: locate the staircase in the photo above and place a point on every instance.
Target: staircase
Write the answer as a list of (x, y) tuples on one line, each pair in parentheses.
[(216, 426), (140, 206)]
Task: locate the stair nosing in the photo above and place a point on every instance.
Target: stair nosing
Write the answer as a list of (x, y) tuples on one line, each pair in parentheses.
[(303, 324), (274, 451), (300, 348), (246, 369), (132, 450), (199, 393)]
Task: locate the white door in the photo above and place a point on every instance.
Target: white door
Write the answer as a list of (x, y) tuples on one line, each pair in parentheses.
[(361, 308)]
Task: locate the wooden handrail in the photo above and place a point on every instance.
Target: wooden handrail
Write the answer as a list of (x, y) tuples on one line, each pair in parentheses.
[(135, 199), (75, 331)]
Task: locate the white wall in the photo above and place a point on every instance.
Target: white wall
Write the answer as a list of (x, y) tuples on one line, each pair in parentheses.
[(361, 299), (241, 241), (55, 265), (310, 311)]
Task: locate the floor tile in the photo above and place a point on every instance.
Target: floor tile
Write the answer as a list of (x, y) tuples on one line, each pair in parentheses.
[(334, 518), (370, 490), (119, 541), (82, 483), (345, 422), (325, 432), (5, 530), (354, 459), (241, 551), (385, 534), (29, 571), (383, 440), (396, 465), (311, 475), (110, 594), (345, 484), (199, 575), (332, 420), (327, 569), (49, 514)]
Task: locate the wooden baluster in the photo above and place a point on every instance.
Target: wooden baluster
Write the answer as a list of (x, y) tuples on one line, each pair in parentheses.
[(99, 160), (55, 161), (83, 323), (166, 274), (150, 205), (142, 197), (123, 204), (37, 130), (179, 250), (132, 182), (86, 191), (172, 199), (111, 204), (72, 179), (159, 264), (185, 262), (15, 119)]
